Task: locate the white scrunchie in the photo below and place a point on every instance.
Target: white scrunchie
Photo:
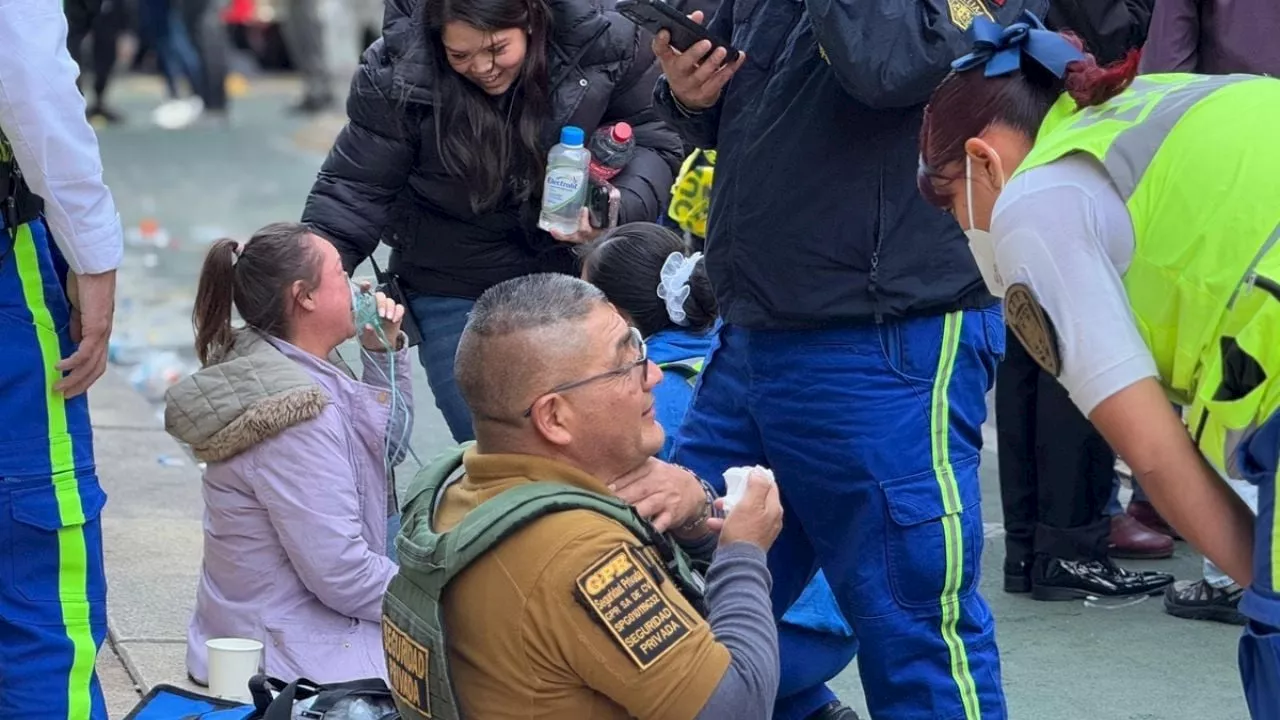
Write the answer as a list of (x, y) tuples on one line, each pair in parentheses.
[(673, 285)]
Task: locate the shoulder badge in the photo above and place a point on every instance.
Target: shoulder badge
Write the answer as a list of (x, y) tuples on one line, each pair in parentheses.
[(963, 12), (1023, 315), (621, 592)]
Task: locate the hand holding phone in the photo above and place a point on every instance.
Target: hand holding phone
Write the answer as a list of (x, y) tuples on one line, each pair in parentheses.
[(697, 75)]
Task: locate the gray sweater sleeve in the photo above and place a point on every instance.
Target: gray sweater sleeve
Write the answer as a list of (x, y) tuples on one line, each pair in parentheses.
[(741, 618)]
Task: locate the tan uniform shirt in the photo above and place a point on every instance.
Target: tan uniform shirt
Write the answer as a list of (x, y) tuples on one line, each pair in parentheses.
[(569, 617)]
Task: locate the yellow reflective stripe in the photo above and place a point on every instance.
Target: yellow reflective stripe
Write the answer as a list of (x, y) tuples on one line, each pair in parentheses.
[(73, 576), (952, 534)]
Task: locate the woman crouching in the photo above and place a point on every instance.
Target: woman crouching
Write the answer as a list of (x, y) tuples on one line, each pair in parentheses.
[(299, 455)]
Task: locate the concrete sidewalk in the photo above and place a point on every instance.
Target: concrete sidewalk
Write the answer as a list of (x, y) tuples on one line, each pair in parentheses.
[(152, 541)]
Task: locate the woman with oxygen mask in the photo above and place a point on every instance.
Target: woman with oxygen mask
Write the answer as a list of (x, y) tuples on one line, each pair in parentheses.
[(298, 486)]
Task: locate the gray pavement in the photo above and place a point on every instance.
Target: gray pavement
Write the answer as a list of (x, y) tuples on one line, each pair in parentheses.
[(1061, 661)]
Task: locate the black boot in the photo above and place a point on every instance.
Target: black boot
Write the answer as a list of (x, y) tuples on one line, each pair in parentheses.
[(1017, 577), (1057, 579)]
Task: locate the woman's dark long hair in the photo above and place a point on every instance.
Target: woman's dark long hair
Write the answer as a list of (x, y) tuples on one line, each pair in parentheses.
[(256, 279), (626, 265), (474, 131)]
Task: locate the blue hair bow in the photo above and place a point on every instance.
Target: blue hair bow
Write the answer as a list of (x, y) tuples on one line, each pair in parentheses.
[(1001, 49)]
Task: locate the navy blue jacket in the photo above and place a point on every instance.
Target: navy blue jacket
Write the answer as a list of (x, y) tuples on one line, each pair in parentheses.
[(815, 217)]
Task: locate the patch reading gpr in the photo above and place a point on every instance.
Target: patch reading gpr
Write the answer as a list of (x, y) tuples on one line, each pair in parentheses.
[(625, 597)]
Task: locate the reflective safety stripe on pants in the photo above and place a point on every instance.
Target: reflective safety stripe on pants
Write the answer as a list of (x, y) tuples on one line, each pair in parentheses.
[(52, 585), (874, 434)]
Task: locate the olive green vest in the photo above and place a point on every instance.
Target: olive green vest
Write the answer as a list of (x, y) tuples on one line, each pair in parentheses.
[(1197, 160), (414, 636)]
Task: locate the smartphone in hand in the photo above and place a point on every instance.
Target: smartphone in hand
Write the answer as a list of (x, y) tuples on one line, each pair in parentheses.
[(656, 15)]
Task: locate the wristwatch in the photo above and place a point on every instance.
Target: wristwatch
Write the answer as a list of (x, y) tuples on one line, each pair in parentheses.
[(708, 508)]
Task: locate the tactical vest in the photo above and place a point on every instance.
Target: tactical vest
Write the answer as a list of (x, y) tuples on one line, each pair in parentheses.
[(689, 369), (1196, 160), (414, 636)]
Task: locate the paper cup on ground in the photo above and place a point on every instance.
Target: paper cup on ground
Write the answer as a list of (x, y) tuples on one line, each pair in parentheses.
[(735, 484), (232, 663)]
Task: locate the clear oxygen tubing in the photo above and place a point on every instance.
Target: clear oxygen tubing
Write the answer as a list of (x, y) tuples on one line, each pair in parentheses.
[(364, 307)]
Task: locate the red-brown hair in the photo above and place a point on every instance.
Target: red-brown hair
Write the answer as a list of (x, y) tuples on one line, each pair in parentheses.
[(967, 103)]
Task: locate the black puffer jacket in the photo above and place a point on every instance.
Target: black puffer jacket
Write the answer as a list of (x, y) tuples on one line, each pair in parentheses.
[(384, 178)]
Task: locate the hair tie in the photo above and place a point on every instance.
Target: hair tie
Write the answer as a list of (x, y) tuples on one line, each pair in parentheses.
[(236, 250), (673, 284), (1001, 49)]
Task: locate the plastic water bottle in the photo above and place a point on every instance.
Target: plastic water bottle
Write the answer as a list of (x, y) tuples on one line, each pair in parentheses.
[(564, 192)]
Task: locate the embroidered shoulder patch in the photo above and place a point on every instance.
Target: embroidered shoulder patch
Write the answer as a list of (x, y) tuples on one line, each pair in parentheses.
[(406, 667), (1023, 315), (964, 11), (619, 589)]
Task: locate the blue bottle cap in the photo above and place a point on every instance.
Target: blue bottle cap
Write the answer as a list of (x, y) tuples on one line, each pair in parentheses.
[(572, 136)]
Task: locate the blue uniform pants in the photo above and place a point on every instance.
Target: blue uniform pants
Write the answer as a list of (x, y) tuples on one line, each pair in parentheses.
[(874, 435), (1260, 645), (52, 585)]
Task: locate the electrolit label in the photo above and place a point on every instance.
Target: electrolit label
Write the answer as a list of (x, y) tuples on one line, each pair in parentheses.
[(561, 187)]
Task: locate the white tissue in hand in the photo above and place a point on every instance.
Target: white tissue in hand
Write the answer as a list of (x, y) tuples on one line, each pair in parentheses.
[(735, 484)]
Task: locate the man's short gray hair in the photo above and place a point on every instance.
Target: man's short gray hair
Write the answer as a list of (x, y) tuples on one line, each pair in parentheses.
[(492, 369)]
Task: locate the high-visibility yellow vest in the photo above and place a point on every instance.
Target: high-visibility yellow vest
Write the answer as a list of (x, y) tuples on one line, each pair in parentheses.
[(691, 194), (1197, 160)]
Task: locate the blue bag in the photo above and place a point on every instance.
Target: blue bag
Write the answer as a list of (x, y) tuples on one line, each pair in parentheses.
[(166, 702)]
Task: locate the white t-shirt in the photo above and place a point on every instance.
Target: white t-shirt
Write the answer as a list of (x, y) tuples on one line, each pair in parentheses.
[(1064, 231)]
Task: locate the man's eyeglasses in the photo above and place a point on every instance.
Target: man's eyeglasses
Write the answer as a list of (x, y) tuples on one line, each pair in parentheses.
[(634, 341)]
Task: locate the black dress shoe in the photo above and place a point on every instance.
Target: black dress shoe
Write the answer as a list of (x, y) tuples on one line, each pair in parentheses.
[(1017, 577), (1058, 579), (834, 710)]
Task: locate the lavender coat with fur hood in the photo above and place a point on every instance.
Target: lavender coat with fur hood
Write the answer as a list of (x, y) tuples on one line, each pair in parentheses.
[(295, 500)]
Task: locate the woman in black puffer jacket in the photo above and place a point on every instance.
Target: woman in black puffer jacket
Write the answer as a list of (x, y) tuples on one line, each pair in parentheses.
[(451, 115)]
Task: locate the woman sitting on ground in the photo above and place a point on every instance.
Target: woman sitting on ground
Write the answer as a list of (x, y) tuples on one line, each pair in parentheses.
[(299, 454), (648, 273)]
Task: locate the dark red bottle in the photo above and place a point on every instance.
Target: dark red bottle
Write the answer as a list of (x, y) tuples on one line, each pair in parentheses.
[(611, 149)]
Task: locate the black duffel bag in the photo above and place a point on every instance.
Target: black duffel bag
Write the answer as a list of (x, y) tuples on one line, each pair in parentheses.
[(275, 699)]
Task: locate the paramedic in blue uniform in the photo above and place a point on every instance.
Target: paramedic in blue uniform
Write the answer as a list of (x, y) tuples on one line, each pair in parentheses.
[(60, 244), (859, 341)]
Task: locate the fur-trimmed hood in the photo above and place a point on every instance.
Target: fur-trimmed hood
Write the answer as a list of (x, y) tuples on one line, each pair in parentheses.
[(250, 394)]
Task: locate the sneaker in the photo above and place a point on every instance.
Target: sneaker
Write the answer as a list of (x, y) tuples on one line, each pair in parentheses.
[(1058, 579), (834, 710), (1198, 600), (178, 114)]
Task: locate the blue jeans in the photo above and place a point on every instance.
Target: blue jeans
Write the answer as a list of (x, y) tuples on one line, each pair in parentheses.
[(176, 54), (874, 435), (441, 321)]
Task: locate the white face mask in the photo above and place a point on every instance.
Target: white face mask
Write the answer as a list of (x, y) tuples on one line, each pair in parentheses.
[(980, 242)]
